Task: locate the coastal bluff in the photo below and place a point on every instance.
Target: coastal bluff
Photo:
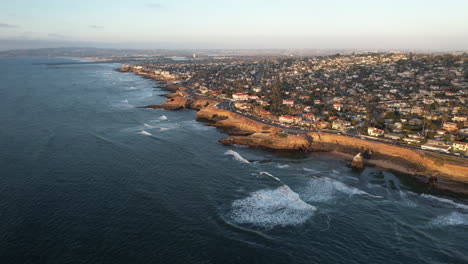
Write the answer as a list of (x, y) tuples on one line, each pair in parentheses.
[(246, 131)]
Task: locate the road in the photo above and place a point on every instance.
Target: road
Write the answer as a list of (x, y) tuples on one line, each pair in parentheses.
[(226, 104)]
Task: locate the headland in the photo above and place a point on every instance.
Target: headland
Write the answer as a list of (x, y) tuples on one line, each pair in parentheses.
[(437, 170)]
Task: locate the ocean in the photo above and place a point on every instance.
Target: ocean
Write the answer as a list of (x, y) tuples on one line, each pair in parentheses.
[(86, 177)]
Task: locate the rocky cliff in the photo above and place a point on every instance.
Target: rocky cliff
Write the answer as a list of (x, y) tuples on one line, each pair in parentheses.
[(252, 133)]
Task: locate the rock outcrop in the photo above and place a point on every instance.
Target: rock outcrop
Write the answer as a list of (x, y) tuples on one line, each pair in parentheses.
[(358, 162), (246, 131)]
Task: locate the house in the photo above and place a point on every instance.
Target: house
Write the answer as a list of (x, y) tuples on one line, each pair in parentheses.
[(256, 89), (449, 126), (338, 106), (307, 108), (309, 116), (415, 122), (410, 140), (288, 102), (317, 102), (340, 124), (253, 97), (322, 124), (459, 118), (428, 100), (463, 132), (460, 146), (289, 119), (394, 136), (264, 112), (241, 105), (240, 96), (203, 89), (436, 142), (417, 110), (286, 119), (397, 127), (375, 132), (297, 119), (440, 147)]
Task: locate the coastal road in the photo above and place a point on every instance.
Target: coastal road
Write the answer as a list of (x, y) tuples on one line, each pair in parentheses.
[(226, 104)]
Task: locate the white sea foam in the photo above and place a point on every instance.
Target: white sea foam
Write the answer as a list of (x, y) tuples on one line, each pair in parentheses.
[(282, 166), (311, 170), (269, 175), (132, 88), (164, 128), (324, 189), (451, 219), (143, 132), (122, 104), (445, 201), (150, 126), (163, 118), (270, 208), (236, 156)]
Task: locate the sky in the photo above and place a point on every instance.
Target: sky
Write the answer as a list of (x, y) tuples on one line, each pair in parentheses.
[(268, 24)]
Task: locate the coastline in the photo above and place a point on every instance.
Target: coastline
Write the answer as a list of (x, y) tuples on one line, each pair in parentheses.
[(242, 130)]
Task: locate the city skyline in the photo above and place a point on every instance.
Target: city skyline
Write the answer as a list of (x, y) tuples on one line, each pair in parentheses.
[(241, 24)]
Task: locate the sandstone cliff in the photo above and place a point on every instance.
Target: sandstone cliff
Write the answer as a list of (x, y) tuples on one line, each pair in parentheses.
[(257, 134)]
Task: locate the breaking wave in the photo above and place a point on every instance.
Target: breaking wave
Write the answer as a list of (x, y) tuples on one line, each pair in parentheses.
[(445, 201), (164, 128), (311, 170), (163, 118), (324, 189), (282, 166), (149, 126), (122, 104), (269, 175), (270, 208), (143, 132), (451, 219), (236, 156)]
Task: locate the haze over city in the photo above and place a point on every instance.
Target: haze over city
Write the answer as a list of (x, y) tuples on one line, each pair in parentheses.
[(337, 24)]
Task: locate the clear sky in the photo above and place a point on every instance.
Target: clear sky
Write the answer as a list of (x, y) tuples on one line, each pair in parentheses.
[(359, 24)]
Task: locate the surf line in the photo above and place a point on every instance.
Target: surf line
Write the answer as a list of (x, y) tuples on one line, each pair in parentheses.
[(239, 158)]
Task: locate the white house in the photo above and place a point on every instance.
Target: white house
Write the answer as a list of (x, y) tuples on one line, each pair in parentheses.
[(375, 132), (338, 106), (286, 119), (240, 96), (288, 102)]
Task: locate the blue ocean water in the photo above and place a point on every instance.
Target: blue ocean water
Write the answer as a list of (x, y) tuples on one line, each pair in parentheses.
[(85, 177)]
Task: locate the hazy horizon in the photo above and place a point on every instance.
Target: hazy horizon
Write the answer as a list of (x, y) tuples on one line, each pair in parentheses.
[(295, 24)]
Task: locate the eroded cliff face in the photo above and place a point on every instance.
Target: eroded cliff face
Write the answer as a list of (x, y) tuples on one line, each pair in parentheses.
[(232, 121), (252, 133), (270, 141), (416, 161), (179, 100)]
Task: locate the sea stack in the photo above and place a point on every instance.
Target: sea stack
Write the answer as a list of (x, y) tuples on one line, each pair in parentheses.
[(358, 162)]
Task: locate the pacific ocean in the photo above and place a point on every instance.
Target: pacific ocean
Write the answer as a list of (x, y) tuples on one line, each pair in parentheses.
[(85, 177)]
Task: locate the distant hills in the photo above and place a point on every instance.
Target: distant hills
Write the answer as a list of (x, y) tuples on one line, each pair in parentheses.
[(122, 53)]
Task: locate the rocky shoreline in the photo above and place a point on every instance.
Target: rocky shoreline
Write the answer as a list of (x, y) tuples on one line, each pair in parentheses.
[(430, 169)]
